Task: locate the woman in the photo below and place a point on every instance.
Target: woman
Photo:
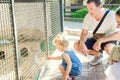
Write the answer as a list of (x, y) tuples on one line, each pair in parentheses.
[(115, 61)]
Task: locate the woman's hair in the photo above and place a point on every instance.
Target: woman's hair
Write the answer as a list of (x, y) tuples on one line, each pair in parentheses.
[(97, 2), (118, 12), (60, 40)]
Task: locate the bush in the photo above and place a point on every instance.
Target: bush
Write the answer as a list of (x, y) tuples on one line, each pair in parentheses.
[(82, 12), (79, 13), (114, 9)]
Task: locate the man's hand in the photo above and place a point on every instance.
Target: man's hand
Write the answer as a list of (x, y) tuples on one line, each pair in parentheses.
[(97, 45), (83, 48)]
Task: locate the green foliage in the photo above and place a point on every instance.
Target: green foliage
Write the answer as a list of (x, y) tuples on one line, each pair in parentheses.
[(114, 9), (80, 13), (112, 2)]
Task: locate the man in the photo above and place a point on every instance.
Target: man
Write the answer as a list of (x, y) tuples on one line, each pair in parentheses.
[(108, 27)]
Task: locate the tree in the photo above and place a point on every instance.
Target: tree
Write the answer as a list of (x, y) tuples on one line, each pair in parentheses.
[(112, 1)]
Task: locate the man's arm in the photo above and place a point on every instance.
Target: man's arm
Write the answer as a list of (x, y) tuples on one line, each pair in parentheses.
[(113, 37), (83, 38), (83, 35)]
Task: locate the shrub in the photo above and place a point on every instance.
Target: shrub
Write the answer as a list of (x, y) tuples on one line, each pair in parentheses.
[(80, 13), (114, 9)]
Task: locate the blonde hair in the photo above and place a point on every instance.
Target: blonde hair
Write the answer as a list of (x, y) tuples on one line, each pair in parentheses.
[(60, 40)]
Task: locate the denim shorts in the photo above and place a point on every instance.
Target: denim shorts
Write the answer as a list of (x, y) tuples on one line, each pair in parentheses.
[(74, 71), (91, 41)]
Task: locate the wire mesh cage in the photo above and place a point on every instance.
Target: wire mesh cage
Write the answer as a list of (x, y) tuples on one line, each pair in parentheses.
[(7, 47), (34, 23)]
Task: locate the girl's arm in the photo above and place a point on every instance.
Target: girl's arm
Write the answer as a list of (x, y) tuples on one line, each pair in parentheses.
[(54, 58), (69, 65)]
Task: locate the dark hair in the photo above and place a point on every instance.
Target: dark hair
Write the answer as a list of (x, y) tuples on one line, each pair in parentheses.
[(118, 11), (97, 2)]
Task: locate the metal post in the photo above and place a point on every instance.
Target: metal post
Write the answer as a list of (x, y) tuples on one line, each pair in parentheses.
[(46, 28), (61, 15), (16, 39)]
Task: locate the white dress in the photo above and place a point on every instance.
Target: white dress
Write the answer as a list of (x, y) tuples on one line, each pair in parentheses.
[(114, 72)]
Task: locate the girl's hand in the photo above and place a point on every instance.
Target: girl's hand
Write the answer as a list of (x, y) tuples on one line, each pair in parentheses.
[(48, 58)]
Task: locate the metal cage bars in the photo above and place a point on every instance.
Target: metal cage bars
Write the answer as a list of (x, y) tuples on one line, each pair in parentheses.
[(27, 29)]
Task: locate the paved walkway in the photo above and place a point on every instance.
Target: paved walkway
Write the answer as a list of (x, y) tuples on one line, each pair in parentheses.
[(72, 25), (50, 70)]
